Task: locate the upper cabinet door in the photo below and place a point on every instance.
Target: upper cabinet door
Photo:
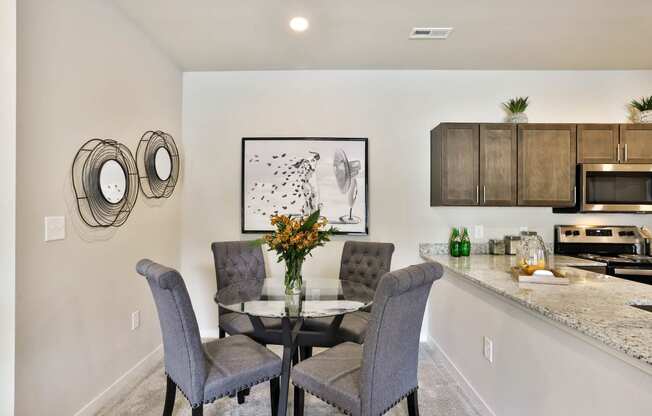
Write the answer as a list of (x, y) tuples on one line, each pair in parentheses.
[(498, 164), (546, 164), (636, 143), (454, 164), (598, 143)]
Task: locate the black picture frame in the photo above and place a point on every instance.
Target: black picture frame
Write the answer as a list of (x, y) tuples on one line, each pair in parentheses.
[(243, 191)]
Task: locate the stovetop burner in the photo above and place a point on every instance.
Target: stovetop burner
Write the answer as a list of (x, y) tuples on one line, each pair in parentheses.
[(619, 258)]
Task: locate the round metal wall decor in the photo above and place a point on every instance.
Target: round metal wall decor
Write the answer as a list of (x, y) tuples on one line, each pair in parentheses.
[(105, 181), (158, 164)]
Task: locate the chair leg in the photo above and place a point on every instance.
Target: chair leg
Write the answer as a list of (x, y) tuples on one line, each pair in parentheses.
[(222, 333), (413, 404), (198, 411), (241, 397), (306, 352), (274, 393), (299, 396), (170, 394)]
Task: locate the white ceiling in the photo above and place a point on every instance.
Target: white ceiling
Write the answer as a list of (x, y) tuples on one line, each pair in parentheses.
[(373, 34)]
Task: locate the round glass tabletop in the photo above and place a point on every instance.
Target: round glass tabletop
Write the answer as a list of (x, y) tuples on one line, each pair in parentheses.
[(319, 298)]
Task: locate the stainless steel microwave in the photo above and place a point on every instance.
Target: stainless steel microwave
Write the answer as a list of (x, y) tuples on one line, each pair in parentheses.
[(608, 187)]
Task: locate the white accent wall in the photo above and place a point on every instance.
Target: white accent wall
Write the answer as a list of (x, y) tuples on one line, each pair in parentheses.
[(7, 202), (396, 110), (85, 71)]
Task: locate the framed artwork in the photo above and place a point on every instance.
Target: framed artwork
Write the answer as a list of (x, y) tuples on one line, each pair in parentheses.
[(296, 176)]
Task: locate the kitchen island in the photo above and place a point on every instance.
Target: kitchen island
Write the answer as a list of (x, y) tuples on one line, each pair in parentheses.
[(577, 349)]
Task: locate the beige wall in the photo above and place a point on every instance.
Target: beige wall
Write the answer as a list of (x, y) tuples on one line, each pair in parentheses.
[(84, 71), (7, 201), (395, 110)]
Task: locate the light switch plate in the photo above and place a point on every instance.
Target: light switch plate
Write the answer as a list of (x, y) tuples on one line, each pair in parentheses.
[(478, 232), (55, 228)]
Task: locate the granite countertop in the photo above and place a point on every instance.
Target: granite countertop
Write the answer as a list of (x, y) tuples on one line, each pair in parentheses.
[(594, 304)]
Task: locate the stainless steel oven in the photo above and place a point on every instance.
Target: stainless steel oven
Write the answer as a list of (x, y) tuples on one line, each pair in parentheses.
[(610, 187)]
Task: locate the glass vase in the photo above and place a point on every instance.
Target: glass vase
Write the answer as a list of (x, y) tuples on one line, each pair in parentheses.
[(293, 284), (293, 278)]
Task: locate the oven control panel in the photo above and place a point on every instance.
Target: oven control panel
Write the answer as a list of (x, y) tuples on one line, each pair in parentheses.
[(612, 234)]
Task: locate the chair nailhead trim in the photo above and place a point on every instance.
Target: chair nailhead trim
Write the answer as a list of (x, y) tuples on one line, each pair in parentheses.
[(348, 412), (398, 401), (228, 393), (341, 409)]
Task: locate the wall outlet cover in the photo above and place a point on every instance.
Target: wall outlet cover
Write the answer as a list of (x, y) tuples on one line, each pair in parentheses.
[(135, 320), (478, 231), (488, 349), (55, 228)]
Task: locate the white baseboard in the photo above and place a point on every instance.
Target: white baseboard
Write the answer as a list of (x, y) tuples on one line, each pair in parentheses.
[(464, 383), (125, 383)]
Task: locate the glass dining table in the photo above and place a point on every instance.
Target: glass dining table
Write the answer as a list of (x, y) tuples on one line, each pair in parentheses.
[(278, 318)]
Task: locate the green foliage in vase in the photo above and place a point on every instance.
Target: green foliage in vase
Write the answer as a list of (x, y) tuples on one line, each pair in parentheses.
[(516, 105), (642, 104)]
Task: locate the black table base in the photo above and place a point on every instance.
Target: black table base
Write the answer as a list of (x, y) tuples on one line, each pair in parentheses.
[(295, 342)]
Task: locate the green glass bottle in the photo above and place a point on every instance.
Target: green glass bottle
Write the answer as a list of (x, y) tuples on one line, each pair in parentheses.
[(455, 243), (465, 244)]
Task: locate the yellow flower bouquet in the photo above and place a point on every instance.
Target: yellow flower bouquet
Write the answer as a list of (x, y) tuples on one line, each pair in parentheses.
[(293, 240)]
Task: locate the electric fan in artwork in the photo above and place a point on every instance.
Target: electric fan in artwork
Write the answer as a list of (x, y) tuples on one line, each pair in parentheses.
[(297, 176)]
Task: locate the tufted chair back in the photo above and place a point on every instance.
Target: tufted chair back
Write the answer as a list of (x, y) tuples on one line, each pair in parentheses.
[(237, 261), (366, 263), (391, 347), (184, 356)]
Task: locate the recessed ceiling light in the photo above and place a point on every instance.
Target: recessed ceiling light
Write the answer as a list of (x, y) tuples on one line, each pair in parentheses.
[(440, 33), (299, 24)]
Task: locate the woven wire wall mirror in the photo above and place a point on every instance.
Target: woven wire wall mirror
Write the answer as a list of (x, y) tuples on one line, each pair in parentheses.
[(158, 161), (105, 182)]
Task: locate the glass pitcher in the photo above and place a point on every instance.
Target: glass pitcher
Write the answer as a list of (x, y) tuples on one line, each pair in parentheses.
[(531, 254)]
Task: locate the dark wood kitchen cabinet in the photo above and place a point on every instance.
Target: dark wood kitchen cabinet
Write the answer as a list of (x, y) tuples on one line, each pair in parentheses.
[(547, 164), (636, 143), (498, 164), (473, 164), (454, 164), (598, 143)]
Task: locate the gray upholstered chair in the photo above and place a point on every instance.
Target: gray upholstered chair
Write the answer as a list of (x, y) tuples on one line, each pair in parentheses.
[(209, 371), (362, 262), (370, 379), (238, 262)]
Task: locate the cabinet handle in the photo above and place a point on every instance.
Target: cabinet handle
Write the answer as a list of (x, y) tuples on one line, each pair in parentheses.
[(477, 194), (484, 195), (618, 152), (574, 195), (626, 152)]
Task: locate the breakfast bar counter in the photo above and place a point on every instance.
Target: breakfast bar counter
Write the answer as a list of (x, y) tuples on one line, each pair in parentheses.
[(596, 305), (536, 349)]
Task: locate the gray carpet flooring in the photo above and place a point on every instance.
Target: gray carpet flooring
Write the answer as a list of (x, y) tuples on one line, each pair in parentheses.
[(439, 394)]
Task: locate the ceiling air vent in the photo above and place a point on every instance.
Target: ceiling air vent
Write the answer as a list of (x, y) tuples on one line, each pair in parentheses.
[(431, 33)]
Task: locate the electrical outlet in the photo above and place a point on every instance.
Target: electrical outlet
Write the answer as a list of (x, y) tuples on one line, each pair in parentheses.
[(135, 320), (478, 231), (488, 349)]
